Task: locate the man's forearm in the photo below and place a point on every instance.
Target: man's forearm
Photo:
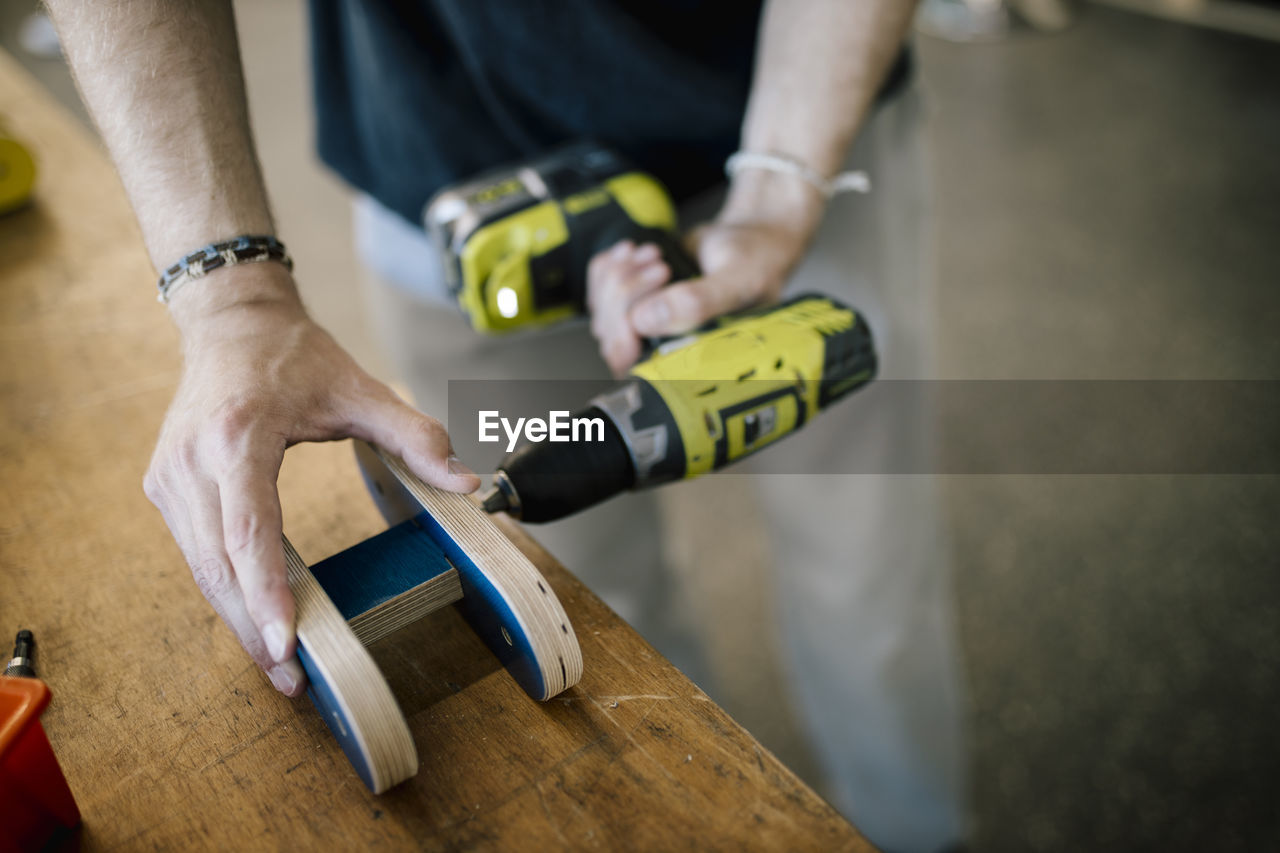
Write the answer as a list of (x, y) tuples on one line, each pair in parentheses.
[(819, 66), (163, 81)]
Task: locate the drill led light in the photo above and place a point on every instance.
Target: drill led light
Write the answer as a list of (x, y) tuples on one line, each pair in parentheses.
[(508, 302)]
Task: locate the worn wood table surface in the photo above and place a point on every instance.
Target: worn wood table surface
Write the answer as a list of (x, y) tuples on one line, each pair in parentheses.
[(170, 736)]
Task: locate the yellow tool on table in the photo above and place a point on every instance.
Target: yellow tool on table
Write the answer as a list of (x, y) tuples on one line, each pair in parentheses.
[(516, 242), (17, 173)]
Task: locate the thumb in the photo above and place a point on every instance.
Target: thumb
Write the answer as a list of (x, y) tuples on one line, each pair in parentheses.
[(684, 306), (420, 440)]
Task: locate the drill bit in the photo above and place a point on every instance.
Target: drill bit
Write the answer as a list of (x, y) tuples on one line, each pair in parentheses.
[(494, 500), (502, 497), (20, 666)]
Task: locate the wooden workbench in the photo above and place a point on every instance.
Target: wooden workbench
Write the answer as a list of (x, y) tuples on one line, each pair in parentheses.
[(170, 736)]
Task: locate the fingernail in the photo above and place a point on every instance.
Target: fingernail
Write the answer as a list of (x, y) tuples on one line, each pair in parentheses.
[(276, 636), (647, 252), (282, 679), (655, 275), (456, 467), (653, 315), (618, 364), (609, 352), (621, 250)]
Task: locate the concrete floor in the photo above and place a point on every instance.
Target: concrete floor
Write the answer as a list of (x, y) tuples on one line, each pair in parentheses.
[(1108, 200)]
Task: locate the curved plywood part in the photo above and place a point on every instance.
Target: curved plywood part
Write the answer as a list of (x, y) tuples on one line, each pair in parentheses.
[(389, 496), (347, 687), (505, 598)]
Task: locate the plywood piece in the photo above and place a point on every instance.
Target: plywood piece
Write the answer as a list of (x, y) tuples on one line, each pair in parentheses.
[(504, 597), (389, 581), (451, 552), (347, 687)]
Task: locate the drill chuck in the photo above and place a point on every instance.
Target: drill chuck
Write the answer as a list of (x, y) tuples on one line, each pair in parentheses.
[(544, 482)]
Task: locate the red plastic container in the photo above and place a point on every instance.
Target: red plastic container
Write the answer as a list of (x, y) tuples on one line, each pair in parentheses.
[(35, 801)]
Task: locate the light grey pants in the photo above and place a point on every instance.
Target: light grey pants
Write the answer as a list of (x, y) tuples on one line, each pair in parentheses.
[(859, 586)]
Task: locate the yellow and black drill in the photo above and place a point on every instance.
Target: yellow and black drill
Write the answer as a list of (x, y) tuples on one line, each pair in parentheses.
[(516, 244)]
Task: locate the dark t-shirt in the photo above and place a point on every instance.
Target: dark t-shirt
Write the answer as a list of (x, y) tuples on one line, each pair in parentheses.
[(412, 95)]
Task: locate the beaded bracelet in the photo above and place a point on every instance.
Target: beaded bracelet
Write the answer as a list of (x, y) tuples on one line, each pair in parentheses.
[(246, 249)]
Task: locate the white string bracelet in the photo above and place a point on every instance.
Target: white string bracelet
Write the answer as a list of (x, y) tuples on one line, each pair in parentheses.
[(856, 181)]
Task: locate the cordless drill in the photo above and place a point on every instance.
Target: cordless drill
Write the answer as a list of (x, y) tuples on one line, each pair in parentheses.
[(516, 240), (516, 243)]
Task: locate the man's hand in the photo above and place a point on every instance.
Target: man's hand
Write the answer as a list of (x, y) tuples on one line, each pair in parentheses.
[(746, 255), (819, 64), (259, 376)]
